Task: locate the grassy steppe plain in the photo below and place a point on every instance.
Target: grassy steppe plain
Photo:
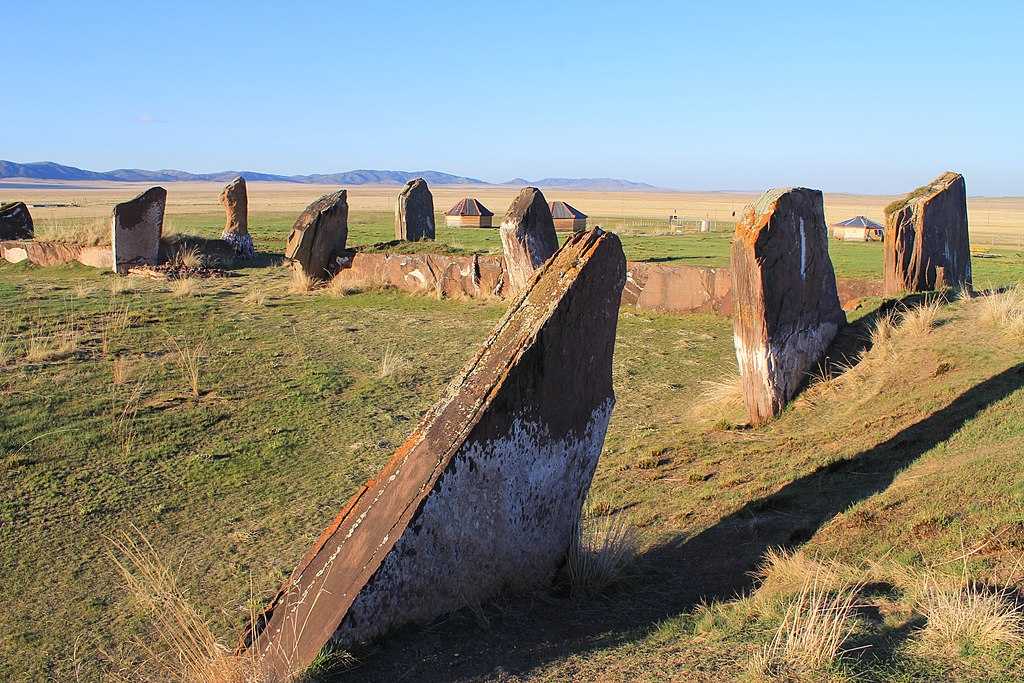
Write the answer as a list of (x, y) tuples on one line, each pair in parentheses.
[(911, 462)]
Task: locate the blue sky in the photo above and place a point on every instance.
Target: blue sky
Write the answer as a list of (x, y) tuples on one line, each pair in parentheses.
[(852, 96)]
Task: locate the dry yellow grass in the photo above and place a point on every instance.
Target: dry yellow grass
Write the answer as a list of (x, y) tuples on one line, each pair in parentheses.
[(256, 296), (603, 546), (300, 283), (185, 286), (966, 614), (187, 356), (810, 639), (987, 214)]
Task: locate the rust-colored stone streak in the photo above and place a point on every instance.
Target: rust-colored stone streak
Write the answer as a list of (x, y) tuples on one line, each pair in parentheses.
[(136, 226), (15, 222), (787, 309), (926, 243), (319, 235), (528, 237), (484, 493), (414, 212)]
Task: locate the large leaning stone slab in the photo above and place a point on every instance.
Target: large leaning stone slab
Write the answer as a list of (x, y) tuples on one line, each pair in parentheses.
[(787, 309), (527, 236), (15, 221), (136, 226), (484, 493), (414, 212), (235, 201), (926, 242), (319, 234)]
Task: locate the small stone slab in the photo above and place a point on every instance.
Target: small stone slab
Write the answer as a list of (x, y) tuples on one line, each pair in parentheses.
[(926, 244), (414, 212), (319, 234), (235, 201), (787, 309), (484, 494), (136, 227), (15, 221), (528, 237)]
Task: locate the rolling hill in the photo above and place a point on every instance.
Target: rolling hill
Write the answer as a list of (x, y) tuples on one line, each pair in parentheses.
[(48, 170)]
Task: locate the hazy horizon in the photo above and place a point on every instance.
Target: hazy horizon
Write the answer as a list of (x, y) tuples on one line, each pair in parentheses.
[(872, 99)]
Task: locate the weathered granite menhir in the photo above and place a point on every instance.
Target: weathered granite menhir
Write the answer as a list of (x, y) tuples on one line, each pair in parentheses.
[(136, 227), (787, 309), (527, 237), (235, 201), (414, 212), (926, 242), (15, 221), (319, 235), (484, 494)]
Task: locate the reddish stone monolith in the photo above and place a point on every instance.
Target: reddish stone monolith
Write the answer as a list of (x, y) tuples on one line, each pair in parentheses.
[(235, 200), (319, 235), (527, 236), (136, 227), (484, 494), (414, 212), (787, 309), (15, 221), (926, 242)]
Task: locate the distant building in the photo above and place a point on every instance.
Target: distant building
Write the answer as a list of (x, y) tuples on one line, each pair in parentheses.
[(469, 213), (858, 229), (567, 217)]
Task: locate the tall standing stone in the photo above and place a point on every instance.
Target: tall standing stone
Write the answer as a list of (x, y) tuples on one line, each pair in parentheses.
[(414, 212), (926, 242), (484, 494), (319, 235), (136, 227), (787, 309), (235, 201), (15, 221), (527, 236)]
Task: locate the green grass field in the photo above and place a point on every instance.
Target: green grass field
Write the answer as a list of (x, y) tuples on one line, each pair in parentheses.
[(909, 462)]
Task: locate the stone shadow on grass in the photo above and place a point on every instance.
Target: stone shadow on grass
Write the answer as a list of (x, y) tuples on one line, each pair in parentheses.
[(514, 636)]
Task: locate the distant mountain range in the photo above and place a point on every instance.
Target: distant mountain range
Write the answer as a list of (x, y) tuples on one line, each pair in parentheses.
[(48, 170)]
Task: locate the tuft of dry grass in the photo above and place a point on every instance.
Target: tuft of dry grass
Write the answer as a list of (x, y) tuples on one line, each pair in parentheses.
[(187, 356), (720, 398), (603, 546), (300, 283), (188, 258), (964, 613), (920, 320), (6, 347), (781, 575), (1003, 311), (124, 411), (808, 643), (183, 287), (256, 296), (337, 286), (119, 370), (82, 290), (391, 362), (117, 320), (184, 648), (61, 342)]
